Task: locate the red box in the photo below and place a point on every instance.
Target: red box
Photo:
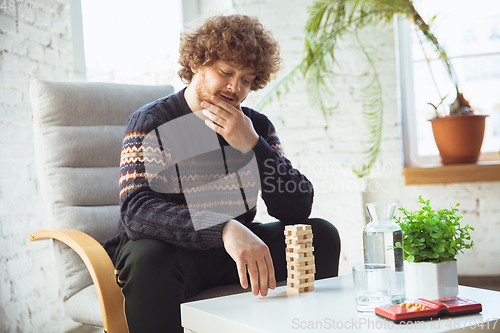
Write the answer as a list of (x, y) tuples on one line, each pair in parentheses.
[(423, 309)]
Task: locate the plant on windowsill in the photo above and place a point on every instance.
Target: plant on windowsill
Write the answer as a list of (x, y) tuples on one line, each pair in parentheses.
[(459, 133), (328, 23), (431, 241)]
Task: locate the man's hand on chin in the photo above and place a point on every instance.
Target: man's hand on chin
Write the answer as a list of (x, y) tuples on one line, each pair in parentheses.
[(231, 123), (250, 253)]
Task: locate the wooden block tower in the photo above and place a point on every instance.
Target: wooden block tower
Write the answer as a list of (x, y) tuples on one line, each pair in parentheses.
[(300, 258)]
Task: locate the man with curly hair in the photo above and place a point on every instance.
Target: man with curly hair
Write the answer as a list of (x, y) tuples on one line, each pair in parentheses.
[(179, 232)]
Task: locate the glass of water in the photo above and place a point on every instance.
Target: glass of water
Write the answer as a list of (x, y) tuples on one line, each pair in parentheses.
[(372, 286)]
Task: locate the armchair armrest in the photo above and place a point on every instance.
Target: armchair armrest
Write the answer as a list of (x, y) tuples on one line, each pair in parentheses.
[(101, 270)]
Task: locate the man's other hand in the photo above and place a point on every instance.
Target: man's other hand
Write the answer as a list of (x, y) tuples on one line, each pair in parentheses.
[(250, 253)]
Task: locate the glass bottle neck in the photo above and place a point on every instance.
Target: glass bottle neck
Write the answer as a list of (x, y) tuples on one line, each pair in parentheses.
[(381, 211)]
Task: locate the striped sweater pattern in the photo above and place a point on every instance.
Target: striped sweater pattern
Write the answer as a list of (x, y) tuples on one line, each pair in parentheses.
[(186, 201)]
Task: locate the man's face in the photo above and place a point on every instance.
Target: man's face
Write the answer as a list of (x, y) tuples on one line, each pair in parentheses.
[(225, 80)]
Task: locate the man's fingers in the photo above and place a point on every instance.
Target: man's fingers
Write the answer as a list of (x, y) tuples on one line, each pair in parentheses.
[(225, 105), (242, 272), (250, 255), (212, 115), (270, 271), (254, 277), (216, 128), (263, 277)]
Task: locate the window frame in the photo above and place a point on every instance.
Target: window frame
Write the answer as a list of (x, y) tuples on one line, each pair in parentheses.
[(406, 100), (76, 19), (421, 170)]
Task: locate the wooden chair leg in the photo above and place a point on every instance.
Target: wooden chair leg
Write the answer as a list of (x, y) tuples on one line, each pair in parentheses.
[(101, 270)]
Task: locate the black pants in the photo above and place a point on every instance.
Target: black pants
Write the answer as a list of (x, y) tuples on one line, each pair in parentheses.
[(156, 277)]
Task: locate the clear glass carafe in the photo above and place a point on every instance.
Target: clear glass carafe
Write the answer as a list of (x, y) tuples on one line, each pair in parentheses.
[(379, 239)]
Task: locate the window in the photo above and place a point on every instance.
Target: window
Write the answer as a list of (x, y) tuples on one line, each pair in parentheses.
[(471, 37), (132, 42)]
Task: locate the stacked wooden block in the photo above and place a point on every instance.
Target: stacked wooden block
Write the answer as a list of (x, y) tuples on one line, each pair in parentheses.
[(300, 258)]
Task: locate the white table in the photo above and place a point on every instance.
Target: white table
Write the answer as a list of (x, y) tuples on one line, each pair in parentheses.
[(330, 308)]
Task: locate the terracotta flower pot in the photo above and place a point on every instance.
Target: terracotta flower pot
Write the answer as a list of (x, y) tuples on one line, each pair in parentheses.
[(459, 138)]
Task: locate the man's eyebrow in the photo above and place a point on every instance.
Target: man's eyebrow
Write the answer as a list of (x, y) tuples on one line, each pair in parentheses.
[(234, 66), (251, 74)]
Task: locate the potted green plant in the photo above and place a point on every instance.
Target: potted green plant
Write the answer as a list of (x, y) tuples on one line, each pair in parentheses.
[(330, 21), (431, 241)]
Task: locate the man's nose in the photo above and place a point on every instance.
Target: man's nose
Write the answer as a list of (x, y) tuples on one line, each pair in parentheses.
[(234, 84)]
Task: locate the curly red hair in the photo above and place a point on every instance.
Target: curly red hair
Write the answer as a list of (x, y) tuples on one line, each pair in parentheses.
[(239, 39)]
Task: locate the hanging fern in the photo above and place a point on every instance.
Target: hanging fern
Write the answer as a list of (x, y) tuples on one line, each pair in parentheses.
[(373, 110)]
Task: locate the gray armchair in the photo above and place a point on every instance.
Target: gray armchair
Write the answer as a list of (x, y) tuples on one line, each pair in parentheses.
[(78, 132)]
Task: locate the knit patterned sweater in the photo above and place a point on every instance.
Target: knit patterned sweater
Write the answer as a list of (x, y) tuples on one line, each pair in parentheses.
[(153, 203)]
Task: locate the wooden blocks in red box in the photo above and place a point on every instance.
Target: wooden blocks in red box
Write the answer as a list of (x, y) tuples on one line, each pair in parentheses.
[(299, 258)]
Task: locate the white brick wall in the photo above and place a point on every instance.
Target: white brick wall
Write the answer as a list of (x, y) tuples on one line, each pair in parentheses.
[(33, 44), (213, 7), (37, 44)]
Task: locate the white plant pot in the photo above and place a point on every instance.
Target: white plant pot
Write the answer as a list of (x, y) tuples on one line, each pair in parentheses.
[(431, 281)]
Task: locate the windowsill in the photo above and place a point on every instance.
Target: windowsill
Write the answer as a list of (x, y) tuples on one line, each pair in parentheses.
[(484, 171)]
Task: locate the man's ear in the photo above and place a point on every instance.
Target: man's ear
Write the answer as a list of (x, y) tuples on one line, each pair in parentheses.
[(194, 68)]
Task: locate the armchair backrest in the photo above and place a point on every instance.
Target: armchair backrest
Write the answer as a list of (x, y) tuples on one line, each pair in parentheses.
[(78, 133)]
